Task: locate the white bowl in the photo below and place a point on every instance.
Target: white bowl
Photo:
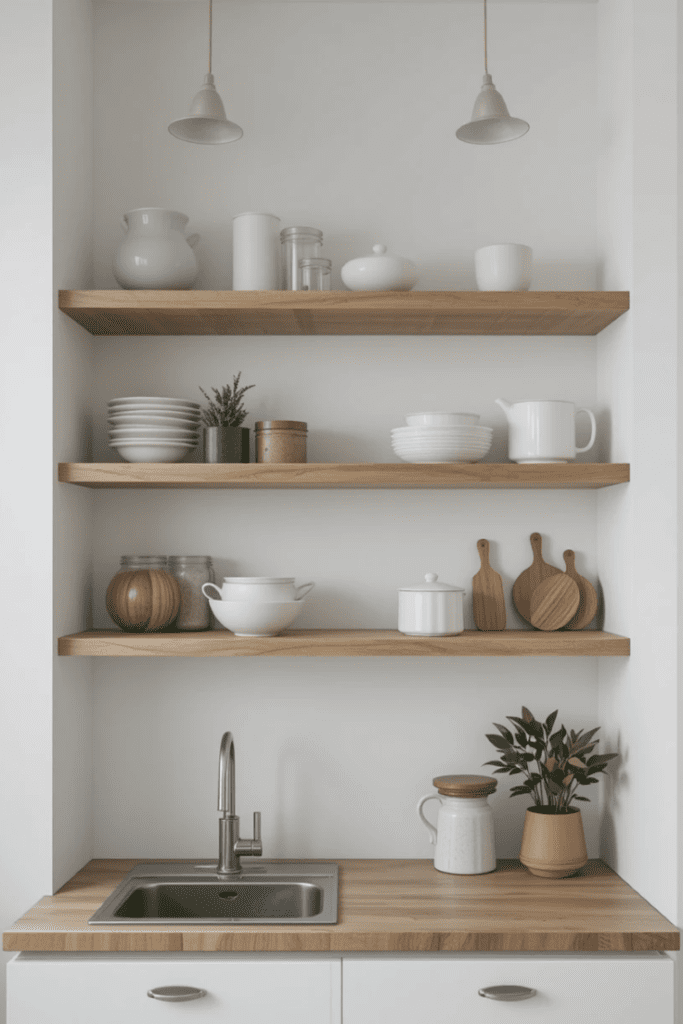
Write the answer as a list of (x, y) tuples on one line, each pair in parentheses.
[(147, 432), (256, 618), (151, 450), (441, 419), (124, 419), (150, 401), (435, 457)]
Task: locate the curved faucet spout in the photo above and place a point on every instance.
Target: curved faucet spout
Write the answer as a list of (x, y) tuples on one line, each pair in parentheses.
[(226, 776)]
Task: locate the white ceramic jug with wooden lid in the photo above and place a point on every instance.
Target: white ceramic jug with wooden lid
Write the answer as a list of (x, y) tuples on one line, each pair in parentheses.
[(464, 836)]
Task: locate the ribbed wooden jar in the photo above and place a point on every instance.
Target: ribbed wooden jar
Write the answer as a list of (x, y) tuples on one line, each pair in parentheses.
[(281, 441)]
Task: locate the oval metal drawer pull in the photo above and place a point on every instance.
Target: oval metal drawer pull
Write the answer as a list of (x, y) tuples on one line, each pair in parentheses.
[(176, 993), (507, 993)]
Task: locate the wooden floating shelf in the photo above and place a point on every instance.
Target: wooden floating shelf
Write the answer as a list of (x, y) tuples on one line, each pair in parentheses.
[(363, 643), (123, 312), (321, 475)]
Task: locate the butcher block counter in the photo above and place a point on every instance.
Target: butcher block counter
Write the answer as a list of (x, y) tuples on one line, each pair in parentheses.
[(384, 906)]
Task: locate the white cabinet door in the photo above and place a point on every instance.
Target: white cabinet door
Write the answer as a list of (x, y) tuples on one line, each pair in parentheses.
[(55, 989), (569, 989)]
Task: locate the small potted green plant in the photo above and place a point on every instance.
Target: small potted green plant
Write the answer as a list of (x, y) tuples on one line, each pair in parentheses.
[(225, 439), (554, 766)]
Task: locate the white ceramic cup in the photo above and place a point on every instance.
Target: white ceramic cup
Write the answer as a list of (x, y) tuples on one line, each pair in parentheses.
[(503, 268), (258, 588), (545, 432)]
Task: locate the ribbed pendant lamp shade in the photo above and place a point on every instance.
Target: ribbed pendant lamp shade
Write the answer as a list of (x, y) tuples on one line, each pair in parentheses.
[(206, 123), (491, 122)]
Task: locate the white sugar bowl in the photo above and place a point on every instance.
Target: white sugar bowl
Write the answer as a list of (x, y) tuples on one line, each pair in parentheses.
[(431, 608), (380, 272)]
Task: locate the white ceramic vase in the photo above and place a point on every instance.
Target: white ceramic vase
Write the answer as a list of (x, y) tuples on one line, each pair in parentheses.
[(155, 252), (503, 268)]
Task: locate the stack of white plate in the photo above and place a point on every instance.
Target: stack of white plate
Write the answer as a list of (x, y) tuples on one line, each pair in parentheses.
[(144, 429), (441, 437)]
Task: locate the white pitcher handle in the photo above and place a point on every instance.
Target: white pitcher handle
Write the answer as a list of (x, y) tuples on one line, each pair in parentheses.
[(124, 223), (432, 830), (192, 240), (220, 596), (591, 417), (300, 592)]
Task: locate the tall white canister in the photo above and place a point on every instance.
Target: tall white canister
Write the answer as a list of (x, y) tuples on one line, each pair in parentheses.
[(256, 252), (463, 837)]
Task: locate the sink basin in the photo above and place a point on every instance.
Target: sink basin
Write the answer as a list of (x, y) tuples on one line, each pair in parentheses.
[(270, 892)]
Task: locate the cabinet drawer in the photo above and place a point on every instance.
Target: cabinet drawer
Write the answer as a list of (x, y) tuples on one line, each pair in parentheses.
[(444, 990), (113, 990)]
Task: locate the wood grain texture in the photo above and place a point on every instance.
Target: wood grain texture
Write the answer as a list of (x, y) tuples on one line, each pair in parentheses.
[(341, 475), (352, 643), (124, 312), (554, 602), (588, 603), (384, 905), (527, 581), (488, 599)]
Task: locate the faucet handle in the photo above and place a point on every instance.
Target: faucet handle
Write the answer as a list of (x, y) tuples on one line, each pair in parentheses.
[(257, 826)]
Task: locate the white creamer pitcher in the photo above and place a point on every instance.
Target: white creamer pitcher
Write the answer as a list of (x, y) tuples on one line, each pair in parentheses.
[(155, 252), (464, 836), (543, 431)]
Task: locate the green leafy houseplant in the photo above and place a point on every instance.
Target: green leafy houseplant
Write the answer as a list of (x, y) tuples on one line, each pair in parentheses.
[(555, 763), (226, 408)]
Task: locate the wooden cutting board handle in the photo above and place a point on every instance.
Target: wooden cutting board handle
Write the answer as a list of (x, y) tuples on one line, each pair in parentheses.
[(488, 599), (554, 602), (526, 582), (588, 604)]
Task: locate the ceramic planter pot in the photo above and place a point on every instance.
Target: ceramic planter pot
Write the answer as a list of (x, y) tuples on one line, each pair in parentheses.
[(226, 444), (553, 845)]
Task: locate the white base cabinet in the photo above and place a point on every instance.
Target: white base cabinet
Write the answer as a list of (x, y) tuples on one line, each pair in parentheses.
[(112, 989), (609, 989), (380, 989)]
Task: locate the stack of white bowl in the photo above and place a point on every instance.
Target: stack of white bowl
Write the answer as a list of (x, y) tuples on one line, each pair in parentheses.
[(441, 437), (144, 429), (257, 605)]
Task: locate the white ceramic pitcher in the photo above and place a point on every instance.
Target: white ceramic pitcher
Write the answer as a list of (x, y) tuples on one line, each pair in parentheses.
[(543, 431), (464, 836), (155, 252)]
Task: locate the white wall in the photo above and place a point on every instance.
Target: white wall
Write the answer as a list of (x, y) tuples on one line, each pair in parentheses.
[(357, 138), (637, 379), (72, 381), (26, 452)]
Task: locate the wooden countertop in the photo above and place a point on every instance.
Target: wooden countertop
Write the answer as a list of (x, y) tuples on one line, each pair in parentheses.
[(384, 906)]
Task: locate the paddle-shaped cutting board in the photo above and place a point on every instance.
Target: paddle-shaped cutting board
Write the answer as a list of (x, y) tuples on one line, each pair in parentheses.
[(526, 583), (588, 604), (488, 599), (554, 602)]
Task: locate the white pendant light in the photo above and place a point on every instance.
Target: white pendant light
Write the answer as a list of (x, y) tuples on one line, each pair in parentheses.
[(491, 121), (206, 122)]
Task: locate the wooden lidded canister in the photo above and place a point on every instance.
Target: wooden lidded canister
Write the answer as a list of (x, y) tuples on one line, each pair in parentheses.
[(281, 441)]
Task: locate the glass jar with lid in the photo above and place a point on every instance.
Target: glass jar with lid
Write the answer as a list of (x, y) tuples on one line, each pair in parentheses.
[(314, 273), (191, 571), (129, 562), (297, 244)]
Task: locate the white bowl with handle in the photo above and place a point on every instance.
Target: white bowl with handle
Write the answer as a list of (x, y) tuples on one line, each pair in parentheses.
[(256, 618), (257, 588)]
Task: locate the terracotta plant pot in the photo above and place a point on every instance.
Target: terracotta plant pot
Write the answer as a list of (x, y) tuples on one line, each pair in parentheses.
[(553, 845)]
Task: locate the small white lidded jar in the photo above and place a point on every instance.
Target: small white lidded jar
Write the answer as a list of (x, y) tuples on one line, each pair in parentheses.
[(431, 608)]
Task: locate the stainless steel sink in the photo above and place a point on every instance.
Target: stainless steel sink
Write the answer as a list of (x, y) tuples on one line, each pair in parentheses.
[(272, 892)]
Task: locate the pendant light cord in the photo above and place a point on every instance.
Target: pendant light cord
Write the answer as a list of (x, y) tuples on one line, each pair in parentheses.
[(486, 56), (211, 30)]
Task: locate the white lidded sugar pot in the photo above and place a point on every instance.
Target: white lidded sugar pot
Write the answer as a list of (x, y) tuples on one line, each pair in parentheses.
[(464, 836), (431, 608)]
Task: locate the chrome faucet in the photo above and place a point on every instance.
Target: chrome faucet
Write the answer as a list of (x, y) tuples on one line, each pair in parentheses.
[(230, 846)]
